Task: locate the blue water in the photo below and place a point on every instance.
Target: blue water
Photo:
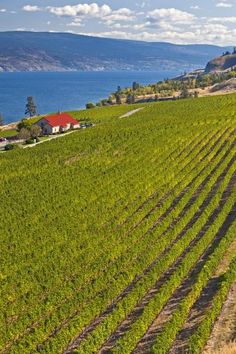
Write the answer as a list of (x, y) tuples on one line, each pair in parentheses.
[(64, 91)]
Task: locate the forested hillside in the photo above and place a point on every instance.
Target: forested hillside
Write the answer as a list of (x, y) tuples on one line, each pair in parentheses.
[(115, 239)]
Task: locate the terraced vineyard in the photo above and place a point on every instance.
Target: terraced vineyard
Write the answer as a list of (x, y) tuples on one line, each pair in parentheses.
[(116, 239)]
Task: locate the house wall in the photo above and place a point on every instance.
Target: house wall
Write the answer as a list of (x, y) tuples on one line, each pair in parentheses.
[(47, 129), (67, 127), (56, 130), (75, 126)]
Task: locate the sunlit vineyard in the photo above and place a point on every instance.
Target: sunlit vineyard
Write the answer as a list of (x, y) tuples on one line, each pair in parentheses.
[(116, 239)]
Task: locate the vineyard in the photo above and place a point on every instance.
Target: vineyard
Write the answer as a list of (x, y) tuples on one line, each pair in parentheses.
[(117, 239)]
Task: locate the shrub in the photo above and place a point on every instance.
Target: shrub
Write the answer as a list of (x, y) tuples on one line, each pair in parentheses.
[(90, 105), (30, 141), (9, 147)]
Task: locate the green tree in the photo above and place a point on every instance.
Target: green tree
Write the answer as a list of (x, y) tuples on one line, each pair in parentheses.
[(30, 108), (135, 86), (90, 105), (1, 119), (110, 100), (24, 123), (130, 99), (184, 92), (35, 131), (118, 99), (24, 134), (104, 102)]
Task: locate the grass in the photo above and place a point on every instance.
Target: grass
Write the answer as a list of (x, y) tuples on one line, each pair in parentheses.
[(8, 133)]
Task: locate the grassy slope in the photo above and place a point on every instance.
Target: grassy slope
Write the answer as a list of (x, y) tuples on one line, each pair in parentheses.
[(60, 197)]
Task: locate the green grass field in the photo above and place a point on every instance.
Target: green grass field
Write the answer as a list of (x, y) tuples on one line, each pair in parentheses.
[(8, 133), (111, 236)]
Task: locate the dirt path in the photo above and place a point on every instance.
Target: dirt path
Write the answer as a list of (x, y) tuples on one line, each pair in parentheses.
[(126, 115), (224, 330)]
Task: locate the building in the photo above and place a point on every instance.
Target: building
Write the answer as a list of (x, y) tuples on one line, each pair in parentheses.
[(57, 123)]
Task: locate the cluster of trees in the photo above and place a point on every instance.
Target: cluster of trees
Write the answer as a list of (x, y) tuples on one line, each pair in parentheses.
[(229, 53), (27, 130), (184, 87)]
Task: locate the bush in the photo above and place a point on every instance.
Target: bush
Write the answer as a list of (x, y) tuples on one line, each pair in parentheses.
[(9, 147), (30, 141), (90, 105)]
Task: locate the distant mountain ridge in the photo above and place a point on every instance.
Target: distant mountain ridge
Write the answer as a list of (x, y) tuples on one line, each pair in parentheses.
[(222, 63), (44, 51)]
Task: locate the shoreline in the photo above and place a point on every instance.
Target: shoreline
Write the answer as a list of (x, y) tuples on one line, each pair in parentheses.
[(202, 93)]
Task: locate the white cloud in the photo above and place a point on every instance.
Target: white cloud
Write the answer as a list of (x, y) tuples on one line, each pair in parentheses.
[(92, 10), (123, 14), (224, 4), (229, 19), (171, 15), (31, 8), (160, 24), (3, 10)]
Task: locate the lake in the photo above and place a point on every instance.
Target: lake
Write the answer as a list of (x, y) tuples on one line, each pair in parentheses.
[(63, 91)]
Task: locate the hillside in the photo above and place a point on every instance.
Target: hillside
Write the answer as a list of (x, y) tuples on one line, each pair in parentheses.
[(221, 63), (32, 51), (117, 238)]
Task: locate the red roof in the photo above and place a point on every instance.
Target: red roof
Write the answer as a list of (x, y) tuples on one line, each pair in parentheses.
[(60, 119)]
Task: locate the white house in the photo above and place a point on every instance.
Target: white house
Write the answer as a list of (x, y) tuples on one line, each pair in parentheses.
[(57, 123)]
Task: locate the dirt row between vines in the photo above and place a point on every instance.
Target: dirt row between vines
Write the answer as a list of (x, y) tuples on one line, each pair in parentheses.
[(136, 312), (119, 297)]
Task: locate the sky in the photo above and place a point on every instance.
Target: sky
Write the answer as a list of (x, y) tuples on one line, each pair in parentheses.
[(175, 21)]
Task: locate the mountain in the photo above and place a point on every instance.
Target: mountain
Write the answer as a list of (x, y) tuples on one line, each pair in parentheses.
[(222, 63), (43, 51)]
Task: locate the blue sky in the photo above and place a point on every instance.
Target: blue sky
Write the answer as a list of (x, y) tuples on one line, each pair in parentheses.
[(176, 21)]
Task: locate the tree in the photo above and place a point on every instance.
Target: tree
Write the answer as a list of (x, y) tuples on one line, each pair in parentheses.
[(118, 99), (30, 108), (104, 102), (1, 119), (24, 134), (184, 92), (90, 105), (118, 89), (24, 123), (135, 86), (110, 100), (35, 131), (130, 99)]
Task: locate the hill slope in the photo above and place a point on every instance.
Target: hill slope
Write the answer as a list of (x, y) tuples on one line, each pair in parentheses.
[(31, 51), (113, 238), (221, 63)]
